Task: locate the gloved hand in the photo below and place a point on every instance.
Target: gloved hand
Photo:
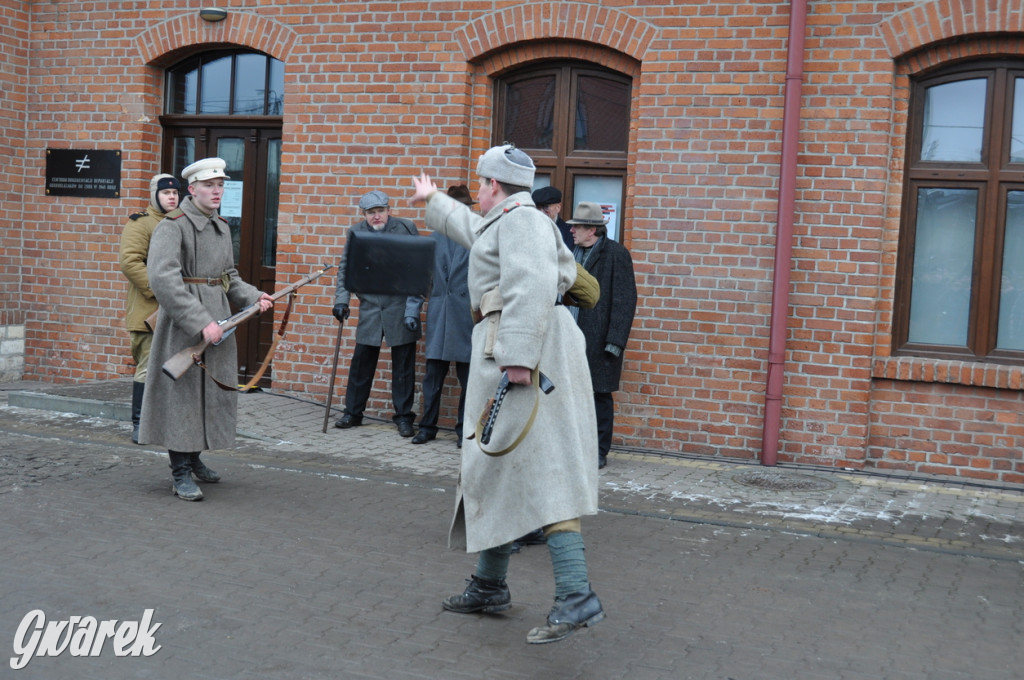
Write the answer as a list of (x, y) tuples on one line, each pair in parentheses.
[(340, 312), (412, 323)]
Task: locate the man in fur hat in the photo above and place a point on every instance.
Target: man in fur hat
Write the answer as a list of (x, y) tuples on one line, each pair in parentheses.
[(140, 303), (519, 269)]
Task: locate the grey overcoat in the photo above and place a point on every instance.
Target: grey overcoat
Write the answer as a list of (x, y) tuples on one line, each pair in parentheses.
[(449, 318), (192, 413), (551, 476), (381, 317)]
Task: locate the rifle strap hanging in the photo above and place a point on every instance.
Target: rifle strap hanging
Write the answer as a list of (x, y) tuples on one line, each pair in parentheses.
[(266, 360)]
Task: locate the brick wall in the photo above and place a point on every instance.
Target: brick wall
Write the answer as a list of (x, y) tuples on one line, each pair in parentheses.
[(14, 55), (705, 139)]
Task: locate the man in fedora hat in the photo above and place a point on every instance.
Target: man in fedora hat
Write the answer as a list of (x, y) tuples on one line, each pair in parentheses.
[(192, 273), (381, 319), (449, 334), (519, 270), (606, 326)]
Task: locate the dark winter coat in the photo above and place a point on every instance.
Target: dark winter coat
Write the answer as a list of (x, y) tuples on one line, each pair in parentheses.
[(449, 317), (192, 413), (381, 317), (610, 320)]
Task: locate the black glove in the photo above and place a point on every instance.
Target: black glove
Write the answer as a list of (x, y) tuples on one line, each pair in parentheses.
[(340, 312), (412, 323)]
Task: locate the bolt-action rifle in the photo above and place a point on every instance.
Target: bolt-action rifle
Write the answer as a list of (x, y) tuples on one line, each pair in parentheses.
[(176, 366)]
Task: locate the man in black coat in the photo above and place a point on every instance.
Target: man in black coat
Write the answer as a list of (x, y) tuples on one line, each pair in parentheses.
[(606, 326)]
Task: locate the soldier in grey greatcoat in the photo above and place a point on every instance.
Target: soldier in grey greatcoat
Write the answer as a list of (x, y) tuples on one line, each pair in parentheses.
[(519, 268), (192, 273), (449, 327), (381, 318)]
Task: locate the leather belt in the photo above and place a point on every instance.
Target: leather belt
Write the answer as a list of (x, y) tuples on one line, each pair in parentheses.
[(219, 281)]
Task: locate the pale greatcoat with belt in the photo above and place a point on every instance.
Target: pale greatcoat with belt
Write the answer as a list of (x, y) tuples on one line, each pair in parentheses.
[(551, 476), (192, 413)]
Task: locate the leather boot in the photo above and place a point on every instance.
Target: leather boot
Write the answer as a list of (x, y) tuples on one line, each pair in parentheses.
[(181, 470), (481, 595), (569, 614), (200, 471), (138, 388)]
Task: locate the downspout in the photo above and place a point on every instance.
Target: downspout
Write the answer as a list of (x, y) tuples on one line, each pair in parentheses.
[(784, 233)]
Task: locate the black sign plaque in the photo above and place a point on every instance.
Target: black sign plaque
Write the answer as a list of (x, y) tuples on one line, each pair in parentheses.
[(89, 173)]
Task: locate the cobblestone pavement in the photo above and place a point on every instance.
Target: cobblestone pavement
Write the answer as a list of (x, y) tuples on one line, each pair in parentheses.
[(322, 555)]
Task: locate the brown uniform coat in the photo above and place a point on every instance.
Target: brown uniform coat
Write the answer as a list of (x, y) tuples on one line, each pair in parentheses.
[(192, 413), (132, 257), (551, 476)]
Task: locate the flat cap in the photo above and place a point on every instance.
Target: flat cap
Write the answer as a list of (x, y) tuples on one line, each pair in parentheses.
[(373, 199), (546, 196)]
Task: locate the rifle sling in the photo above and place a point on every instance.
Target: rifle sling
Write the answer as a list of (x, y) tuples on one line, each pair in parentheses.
[(266, 360)]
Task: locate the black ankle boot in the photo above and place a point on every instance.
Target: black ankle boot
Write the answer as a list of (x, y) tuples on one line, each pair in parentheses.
[(138, 388), (481, 595), (569, 614), (200, 471), (181, 470)]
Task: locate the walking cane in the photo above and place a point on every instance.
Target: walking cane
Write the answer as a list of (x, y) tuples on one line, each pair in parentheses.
[(334, 369)]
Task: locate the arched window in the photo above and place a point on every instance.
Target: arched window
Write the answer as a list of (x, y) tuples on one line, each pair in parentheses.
[(960, 270), (226, 84), (573, 119)]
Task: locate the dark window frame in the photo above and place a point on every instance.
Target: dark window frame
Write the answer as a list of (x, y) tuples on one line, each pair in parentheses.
[(992, 177), (562, 161)]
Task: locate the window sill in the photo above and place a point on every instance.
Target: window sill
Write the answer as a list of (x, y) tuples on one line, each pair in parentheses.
[(977, 374)]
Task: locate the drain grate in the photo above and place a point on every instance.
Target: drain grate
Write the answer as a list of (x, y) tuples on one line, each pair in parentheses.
[(781, 480)]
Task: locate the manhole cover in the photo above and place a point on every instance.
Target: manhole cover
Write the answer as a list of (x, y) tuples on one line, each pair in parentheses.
[(780, 480)]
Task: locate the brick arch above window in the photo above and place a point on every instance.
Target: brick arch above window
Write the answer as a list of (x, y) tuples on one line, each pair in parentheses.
[(242, 29), (941, 20), (609, 28)]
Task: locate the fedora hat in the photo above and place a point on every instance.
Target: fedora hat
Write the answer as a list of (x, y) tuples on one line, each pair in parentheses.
[(460, 192), (588, 214)]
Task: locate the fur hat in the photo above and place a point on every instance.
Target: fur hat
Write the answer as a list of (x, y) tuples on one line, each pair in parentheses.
[(208, 168), (158, 184), (508, 165)]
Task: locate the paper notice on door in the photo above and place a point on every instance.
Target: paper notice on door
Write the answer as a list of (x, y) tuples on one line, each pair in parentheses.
[(231, 202)]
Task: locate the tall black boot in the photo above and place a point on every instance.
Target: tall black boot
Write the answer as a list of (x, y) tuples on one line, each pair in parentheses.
[(137, 390), (181, 470), (200, 471)]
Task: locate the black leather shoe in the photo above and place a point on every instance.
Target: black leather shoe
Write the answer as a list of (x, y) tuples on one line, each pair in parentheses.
[(422, 437), (601, 461), (481, 595), (404, 428), (348, 420), (569, 614)]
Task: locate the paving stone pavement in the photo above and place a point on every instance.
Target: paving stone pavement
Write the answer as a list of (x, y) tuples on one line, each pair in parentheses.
[(322, 555)]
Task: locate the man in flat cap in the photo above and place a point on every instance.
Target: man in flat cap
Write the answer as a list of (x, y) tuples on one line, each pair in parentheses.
[(449, 327), (192, 273), (549, 478), (132, 256), (606, 326), (549, 201), (381, 319)]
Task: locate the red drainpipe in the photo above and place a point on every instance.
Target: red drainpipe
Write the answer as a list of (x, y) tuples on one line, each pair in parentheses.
[(784, 233)]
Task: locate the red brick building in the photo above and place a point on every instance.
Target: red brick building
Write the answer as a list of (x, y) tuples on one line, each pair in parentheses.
[(886, 226)]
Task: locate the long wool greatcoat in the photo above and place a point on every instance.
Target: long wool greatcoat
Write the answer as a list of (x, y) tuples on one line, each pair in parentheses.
[(192, 413), (381, 317), (449, 317), (611, 318), (551, 476)]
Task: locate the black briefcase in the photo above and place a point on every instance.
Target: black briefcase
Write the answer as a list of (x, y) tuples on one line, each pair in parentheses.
[(389, 264)]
